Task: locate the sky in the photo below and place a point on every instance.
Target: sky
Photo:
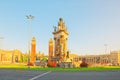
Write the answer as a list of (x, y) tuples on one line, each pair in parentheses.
[(91, 24)]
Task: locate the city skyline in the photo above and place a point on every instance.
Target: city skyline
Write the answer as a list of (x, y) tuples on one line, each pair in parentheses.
[(93, 26)]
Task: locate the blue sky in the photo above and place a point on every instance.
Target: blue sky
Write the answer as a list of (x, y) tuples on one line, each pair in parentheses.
[(91, 24)]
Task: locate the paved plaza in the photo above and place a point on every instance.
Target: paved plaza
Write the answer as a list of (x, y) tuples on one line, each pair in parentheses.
[(9, 74)]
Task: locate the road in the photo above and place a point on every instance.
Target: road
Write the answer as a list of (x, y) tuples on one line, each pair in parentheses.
[(9, 74)]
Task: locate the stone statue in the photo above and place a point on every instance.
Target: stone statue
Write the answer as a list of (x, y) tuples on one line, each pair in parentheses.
[(55, 28), (67, 56)]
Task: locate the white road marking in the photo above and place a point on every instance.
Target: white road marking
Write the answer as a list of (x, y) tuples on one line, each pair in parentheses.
[(39, 75)]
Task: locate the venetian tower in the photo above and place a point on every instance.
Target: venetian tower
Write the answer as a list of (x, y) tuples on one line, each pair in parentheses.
[(60, 40), (33, 50), (50, 50)]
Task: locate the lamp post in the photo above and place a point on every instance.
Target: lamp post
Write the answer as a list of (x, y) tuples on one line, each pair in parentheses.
[(30, 18)]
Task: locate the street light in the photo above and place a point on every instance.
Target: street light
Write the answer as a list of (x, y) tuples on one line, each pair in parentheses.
[(30, 18)]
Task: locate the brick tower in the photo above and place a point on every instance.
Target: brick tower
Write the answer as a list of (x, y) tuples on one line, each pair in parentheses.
[(50, 50), (33, 50)]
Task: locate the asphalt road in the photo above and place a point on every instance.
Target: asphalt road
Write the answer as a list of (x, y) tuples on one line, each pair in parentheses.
[(7, 74)]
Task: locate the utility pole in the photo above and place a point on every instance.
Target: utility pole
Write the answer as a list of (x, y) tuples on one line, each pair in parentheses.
[(105, 48)]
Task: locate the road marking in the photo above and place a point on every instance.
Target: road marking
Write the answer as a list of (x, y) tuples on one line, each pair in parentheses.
[(39, 75)]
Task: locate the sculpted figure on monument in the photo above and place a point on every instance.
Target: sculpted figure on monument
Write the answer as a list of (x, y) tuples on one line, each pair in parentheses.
[(67, 56), (55, 28)]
